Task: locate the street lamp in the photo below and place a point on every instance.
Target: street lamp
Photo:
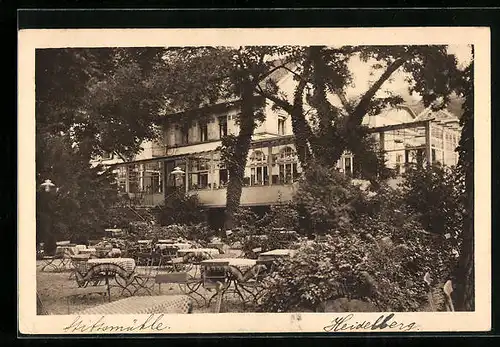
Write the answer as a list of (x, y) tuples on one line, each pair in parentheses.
[(48, 187), (177, 172)]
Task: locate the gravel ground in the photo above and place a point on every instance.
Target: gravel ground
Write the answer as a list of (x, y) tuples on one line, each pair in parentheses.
[(53, 288)]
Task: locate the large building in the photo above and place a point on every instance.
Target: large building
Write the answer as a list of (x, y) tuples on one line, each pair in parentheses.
[(190, 141)]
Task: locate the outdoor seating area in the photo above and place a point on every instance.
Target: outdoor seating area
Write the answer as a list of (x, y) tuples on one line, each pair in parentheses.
[(161, 276)]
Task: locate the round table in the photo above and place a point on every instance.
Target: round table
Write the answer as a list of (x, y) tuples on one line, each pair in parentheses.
[(181, 245), (198, 251), (127, 264)]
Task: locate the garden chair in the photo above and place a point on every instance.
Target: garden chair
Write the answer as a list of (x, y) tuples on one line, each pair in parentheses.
[(215, 277), (168, 253), (78, 263), (187, 284), (251, 281), (217, 245), (146, 273), (55, 262)]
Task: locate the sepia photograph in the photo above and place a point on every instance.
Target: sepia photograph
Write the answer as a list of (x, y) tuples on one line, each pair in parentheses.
[(259, 179)]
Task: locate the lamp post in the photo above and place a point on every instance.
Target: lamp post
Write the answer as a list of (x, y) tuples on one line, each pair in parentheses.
[(47, 188), (178, 173)]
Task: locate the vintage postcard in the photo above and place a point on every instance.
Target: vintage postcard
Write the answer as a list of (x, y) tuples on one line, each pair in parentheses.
[(320, 180)]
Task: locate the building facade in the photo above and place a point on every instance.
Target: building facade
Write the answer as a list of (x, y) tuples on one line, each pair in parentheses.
[(190, 141)]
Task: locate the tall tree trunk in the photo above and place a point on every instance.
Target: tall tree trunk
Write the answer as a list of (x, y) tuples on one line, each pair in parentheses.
[(301, 129), (236, 168), (465, 272), (466, 276)]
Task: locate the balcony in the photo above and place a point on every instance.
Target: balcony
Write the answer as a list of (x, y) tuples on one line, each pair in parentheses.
[(251, 196)]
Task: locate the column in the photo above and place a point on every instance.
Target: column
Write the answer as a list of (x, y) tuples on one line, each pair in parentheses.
[(186, 175), (444, 144), (164, 177), (127, 188), (381, 141), (211, 171), (270, 164), (428, 143)]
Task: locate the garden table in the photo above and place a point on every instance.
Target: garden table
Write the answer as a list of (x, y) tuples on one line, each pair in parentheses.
[(122, 270), (91, 251), (165, 245), (242, 264), (127, 264), (166, 241), (67, 250), (204, 253), (277, 253), (181, 245), (144, 305)]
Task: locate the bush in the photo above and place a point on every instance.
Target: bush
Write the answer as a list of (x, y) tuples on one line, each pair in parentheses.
[(436, 194), (386, 272), (181, 208), (326, 200)]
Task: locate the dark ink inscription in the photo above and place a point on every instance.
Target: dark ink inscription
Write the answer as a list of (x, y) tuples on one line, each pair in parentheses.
[(347, 323), (100, 325)]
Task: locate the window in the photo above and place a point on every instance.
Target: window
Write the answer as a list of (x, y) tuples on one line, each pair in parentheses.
[(107, 155), (203, 128), (258, 169), (259, 176), (222, 126), (281, 126), (287, 153), (288, 173), (185, 133), (153, 178), (134, 178), (288, 170), (121, 178), (348, 166), (198, 173), (223, 178)]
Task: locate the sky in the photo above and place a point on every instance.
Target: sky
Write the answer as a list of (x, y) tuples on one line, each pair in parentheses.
[(363, 79)]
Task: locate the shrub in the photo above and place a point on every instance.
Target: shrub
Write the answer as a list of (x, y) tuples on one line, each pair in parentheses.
[(435, 193), (325, 200), (181, 208), (386, 272)]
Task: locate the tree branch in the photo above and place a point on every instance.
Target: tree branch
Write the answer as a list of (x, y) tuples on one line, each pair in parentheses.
[(362, 107), (121, 156), (285, 105)]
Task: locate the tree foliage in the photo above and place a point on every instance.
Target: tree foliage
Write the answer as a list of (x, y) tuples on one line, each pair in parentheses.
[(435, 193), (337, 126), (183, 209), (83, 194), (326, 200)]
